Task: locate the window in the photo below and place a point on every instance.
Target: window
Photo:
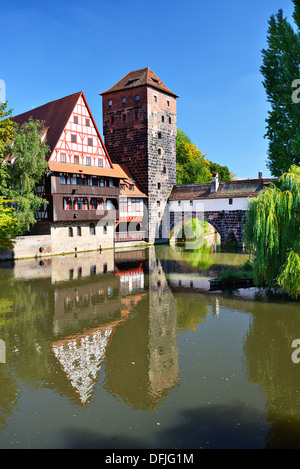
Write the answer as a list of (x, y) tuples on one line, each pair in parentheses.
[(63, 157), (73, 138), (123, 100), (92, 269), (70, 232), (94, 204), (135, 205), (136, 116), (74, 179), (75, 119), (87, 122), (131, 187), (88, 161), (78, 230), (90, 142), (168, 103), (159, 135), (124, 117), (179, 202), (100, 162), (191, 203), (105, 229), (158, 185), (158, 203), (170, 120), (112, 119), (163, 118), (164, 170), (123, 205), (92, 229), (110, 102), (155, 98), (67, 203), (159, 151), (76, 159), (122, 187), (62, 179), (230, 201), (137, 98)]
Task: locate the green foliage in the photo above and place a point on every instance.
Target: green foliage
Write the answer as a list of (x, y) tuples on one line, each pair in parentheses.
[(272, 233), (7, 129), (191, 165), (8, 225), (22, 171), (281, 62), (223, 171), (232, 274)]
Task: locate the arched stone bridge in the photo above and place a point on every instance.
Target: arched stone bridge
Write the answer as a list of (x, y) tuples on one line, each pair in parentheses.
[(222, 204)]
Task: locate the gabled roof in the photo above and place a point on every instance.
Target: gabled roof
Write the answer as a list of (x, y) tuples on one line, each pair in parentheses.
[(55, 116), (226, 189), (141, 77), (127, 180)]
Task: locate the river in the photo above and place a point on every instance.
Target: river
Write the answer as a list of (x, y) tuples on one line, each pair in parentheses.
[(131, 350)]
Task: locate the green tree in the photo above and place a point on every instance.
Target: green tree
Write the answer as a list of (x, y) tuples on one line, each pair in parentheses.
[(7, 129), (272, 233), (223, 171), (280, 69), (20, 173), (191, 165), (8, 225)]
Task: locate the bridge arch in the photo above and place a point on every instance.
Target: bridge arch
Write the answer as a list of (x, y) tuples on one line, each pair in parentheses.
[(226, 223)]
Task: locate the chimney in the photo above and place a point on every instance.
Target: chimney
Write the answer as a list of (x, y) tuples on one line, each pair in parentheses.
[(260, 175), (214, 183)]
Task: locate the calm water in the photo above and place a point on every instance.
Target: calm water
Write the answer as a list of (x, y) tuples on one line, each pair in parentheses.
[(131, 350)]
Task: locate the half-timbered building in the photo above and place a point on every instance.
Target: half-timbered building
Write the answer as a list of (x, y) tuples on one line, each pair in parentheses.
[(82, 185)]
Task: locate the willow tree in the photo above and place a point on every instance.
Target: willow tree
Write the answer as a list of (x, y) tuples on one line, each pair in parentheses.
[(272, 233)]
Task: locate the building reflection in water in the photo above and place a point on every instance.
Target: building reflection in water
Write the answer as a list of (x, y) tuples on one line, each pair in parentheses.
[(114, 309)]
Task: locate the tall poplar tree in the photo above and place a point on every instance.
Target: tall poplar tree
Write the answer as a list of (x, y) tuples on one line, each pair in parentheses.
[(281, 70)]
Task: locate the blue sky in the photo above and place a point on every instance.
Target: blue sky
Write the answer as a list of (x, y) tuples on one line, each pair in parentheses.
[(209, 53)]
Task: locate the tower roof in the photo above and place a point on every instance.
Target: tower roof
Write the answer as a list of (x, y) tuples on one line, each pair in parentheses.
[(141, 77)]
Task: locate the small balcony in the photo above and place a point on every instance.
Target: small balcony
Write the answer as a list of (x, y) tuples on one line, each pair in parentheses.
[(124, 236)]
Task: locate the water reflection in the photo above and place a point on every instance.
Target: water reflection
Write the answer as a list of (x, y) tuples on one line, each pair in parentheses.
[(116, 320)]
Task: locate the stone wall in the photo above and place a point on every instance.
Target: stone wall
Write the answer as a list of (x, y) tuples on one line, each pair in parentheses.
[(59, 241)]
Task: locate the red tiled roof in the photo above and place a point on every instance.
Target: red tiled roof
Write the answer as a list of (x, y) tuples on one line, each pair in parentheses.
[(55, 116), (226, 189), (141, 77)]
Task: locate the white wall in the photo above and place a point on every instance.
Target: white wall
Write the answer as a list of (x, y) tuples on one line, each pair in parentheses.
[(209, 205)]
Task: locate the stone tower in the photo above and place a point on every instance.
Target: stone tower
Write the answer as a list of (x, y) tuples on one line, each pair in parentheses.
[(140, 127)]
